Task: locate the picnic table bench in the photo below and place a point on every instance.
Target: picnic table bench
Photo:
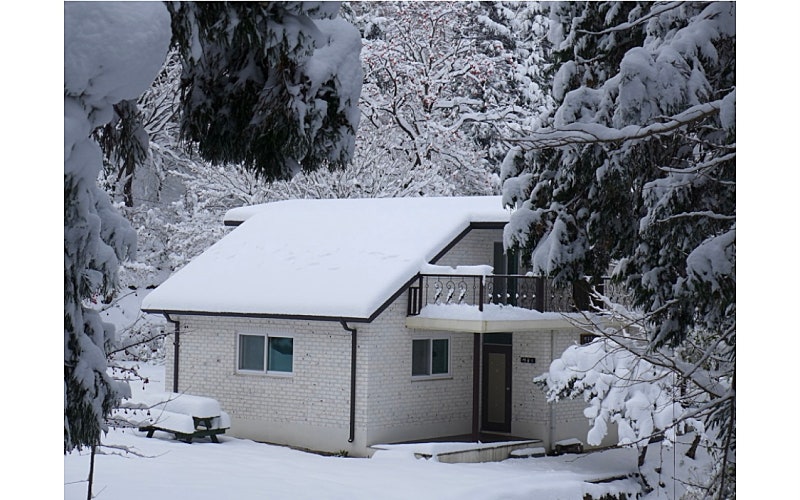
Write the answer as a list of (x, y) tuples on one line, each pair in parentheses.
[(183, 415)]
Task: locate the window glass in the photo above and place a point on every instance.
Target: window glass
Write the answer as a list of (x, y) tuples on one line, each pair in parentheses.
[(251, 352), (439, 356), (503, 338), (281, 350), (420, 357)]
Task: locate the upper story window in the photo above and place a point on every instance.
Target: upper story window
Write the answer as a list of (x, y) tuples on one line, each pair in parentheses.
[(265, 354), (430, 357)]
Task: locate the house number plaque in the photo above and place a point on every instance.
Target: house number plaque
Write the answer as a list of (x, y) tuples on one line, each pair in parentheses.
[(527, 360)]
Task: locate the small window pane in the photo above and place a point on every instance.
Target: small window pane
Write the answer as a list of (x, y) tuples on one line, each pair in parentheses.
[(420, 357), (251, 352), (281, 350), (440, 356), (497, 338)]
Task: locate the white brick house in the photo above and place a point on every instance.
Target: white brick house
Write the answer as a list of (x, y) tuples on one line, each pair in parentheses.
[(324, 324)]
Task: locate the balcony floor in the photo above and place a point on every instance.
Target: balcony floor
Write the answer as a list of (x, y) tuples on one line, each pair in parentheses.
[(457, 324)]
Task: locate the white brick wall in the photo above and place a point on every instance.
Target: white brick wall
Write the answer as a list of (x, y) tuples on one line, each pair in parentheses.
[(400, 408), (474, 249), (531, 412), (318, 392)]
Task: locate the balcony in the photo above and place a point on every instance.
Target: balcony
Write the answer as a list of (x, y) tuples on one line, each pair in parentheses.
[(493, 303)]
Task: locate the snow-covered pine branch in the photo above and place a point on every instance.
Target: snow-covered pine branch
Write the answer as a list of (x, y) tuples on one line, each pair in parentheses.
[(590, 133), (229, 55), (634, 172), (117, 63)]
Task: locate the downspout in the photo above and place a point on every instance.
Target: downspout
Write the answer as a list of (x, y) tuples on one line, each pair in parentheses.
[(552, 426), (353, 348), (177, 345)]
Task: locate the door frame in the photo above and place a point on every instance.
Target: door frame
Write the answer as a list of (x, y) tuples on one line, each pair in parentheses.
[(485, 424)]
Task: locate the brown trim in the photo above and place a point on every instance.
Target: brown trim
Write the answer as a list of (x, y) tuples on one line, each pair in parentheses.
[(476, 386), (391, 299), (353, 353), (176, 352), (505, 426), (257, 315), (487, 225)]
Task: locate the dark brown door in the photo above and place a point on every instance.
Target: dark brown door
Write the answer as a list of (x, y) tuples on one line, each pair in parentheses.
[(496, 406)]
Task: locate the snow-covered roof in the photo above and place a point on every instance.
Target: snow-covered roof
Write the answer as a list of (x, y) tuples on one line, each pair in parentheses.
[(340, 258)]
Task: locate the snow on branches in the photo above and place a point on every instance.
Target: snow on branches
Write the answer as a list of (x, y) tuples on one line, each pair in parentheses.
[(634, 174), (623, 385), (443, 83), (273, 86), (111, 53)]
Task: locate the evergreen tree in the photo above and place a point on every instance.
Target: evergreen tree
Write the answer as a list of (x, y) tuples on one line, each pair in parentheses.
[(111, 53), (635, 173), (270, 86), (273, 86)]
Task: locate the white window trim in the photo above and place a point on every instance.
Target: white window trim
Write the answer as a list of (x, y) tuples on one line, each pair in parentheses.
[(436, 376), (267, 371)]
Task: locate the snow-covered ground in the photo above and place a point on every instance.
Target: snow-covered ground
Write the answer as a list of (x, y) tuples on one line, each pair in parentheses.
[(163, 468), (241, 469)]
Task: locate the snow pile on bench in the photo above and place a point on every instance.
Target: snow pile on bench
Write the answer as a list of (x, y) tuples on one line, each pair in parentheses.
[(196, 406), (172, 412), (167, 420)]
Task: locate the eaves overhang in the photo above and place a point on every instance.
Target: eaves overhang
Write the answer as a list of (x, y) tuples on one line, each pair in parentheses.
[(486, 326)]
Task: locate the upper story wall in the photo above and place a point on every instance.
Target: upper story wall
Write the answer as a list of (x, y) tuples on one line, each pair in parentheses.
[(474, 249)]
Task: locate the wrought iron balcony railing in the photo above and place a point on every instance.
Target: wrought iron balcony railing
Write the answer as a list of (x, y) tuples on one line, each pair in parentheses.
[(529, 292)]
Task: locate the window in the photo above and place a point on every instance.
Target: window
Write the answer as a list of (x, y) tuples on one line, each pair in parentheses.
[(262, 353), (587, 338), (430, 357)]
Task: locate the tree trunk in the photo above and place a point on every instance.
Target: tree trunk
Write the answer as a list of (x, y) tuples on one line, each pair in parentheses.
[(91, 473), (642, 455), (693, 448)]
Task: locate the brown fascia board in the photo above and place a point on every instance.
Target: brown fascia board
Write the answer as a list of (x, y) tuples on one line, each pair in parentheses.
[(370, 319), (175, 312)]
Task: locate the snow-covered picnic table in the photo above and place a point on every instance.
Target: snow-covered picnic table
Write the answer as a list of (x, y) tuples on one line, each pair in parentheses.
[(184, 415)]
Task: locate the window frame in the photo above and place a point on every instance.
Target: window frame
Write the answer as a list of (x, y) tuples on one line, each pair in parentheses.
[(266, 370), (430, 339)]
